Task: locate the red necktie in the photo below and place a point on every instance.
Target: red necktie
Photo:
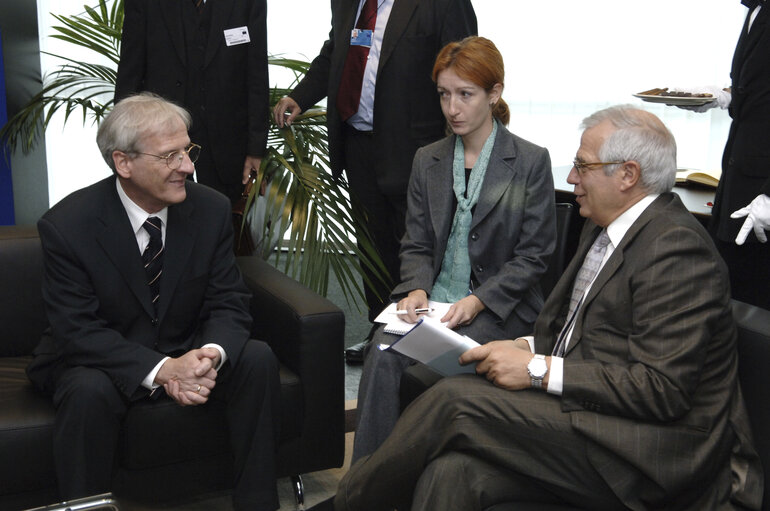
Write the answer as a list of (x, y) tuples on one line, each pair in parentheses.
[(349, 93)]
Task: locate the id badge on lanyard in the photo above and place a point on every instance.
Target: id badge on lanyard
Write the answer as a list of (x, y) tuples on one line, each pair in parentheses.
[(361, 37)]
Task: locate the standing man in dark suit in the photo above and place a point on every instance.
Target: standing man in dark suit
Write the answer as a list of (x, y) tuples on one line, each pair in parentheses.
[(741, 214), (375, 71), (143, 297), (631, 399), (209, 56)]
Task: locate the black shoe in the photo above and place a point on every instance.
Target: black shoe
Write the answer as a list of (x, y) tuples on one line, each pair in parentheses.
[(355, 354)]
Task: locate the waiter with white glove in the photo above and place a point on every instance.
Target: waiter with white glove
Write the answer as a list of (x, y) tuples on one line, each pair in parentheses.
[(741, 212)]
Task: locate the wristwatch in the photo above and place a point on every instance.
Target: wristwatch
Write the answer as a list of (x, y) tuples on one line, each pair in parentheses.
[(537, 369)]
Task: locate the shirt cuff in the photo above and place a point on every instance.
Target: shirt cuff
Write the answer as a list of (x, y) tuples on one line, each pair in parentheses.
[(556, 376), (222, 354), (149, 380), (530, 340)]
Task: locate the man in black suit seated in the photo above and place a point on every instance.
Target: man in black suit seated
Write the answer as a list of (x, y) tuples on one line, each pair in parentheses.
[(143, 298)]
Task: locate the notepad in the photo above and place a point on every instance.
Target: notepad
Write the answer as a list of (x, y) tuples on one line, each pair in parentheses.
[(436, 346), (394, 324)]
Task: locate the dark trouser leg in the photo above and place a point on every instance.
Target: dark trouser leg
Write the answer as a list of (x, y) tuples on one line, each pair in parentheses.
[(206, 172), (89, 412), (467, 414), (475, 485), (749, 271), (378, 396), (386, 213), (252, 392)]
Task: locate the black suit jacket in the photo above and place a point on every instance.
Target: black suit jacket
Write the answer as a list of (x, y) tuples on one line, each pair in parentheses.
[(746, 160), (96, 293), (407, 114), (234, 79)]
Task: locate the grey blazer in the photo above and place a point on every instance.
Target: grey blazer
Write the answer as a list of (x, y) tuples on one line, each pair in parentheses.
[(512, 235)]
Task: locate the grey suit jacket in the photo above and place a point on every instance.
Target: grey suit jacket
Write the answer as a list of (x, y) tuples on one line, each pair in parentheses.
[(407, 114), (512, 234), (96, 295), (650, 375)]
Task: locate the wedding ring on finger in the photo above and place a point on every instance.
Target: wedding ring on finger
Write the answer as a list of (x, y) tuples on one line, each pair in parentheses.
[(198, 388)]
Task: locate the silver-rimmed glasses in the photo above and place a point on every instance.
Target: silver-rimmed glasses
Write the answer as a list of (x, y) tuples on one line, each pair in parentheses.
[(174, 158), (582, 167)]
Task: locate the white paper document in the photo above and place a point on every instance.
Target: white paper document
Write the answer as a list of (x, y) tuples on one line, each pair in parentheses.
[(394, 324), (436, 346)]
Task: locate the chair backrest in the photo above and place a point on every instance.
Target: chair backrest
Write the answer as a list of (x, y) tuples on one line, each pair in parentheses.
[(753, 358), (22, 312), (564, 212)]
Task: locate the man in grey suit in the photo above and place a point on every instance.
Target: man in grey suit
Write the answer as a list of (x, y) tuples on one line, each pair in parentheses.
[(376, 125), (631, 399)]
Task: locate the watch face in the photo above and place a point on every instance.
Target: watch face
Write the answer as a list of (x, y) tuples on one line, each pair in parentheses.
[(537, 368)]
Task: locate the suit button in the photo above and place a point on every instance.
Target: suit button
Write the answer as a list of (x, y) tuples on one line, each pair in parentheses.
[(178, 84), (479, 268), (741, 89), (154, 321), (475, 236)]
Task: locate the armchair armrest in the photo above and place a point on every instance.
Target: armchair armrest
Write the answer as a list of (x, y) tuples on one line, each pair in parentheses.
[(306, 332)]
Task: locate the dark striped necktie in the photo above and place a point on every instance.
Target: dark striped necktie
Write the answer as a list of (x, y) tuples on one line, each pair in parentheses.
[(153, 256)]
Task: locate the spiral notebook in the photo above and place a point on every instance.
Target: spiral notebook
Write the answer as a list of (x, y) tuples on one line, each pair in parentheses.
[(395, 325)]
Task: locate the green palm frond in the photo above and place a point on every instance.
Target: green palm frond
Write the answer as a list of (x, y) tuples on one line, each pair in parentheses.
[(324, 229), (75, 85), (304, 201)]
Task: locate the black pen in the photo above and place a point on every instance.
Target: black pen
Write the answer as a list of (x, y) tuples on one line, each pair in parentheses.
[(425, 310)]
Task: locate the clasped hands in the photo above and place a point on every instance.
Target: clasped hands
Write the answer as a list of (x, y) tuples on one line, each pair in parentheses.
[(462, 312), (190, 378)]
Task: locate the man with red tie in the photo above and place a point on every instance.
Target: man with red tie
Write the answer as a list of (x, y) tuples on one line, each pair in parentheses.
[(375, 71)]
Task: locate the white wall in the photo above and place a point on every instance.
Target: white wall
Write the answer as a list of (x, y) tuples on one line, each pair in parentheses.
[(564, 59)]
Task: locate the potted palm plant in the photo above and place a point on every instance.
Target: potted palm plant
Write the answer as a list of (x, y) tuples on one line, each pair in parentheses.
[(312, 213)]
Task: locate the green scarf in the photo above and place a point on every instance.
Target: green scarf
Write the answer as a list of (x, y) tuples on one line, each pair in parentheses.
[(453, 281)]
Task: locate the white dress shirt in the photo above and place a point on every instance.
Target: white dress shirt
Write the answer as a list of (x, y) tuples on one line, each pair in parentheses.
[(616, 230), (137, 217), (363, 120)]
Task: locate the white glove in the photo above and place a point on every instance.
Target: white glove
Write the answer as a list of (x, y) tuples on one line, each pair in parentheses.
[(758, 219), (722, 96)]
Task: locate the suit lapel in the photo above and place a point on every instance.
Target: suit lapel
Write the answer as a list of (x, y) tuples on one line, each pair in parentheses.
[(220, 13), (440, 193), (613, 263), (397, 23), (172, 13), (180, 239), (499, 174), (118, 241)]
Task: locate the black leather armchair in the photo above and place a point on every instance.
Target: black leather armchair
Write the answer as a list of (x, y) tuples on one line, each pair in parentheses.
[(304, 330)]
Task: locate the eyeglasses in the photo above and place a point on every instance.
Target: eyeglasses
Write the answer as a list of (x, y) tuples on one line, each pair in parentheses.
[(174, 158), (583, 167)]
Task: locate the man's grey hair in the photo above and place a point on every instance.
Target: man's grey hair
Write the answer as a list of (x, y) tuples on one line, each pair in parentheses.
[(135, 118), (641, 137)]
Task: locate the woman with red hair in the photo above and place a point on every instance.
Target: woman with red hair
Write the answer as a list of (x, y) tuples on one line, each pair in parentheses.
[(480, 228)]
